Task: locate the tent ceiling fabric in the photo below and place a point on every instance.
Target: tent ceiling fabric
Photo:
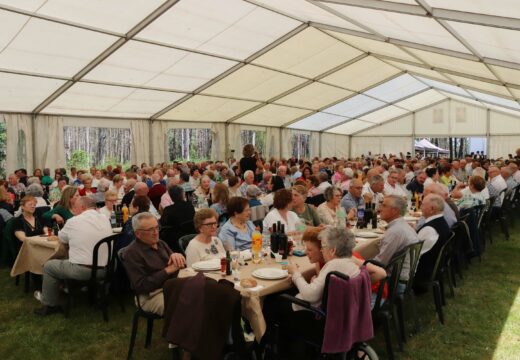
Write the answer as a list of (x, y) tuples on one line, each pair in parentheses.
[(338, 66)]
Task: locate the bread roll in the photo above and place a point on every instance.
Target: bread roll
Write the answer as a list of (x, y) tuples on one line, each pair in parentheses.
[(248, 283)]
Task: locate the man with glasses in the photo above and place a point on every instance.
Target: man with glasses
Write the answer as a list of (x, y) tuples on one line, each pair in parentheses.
[(149, 262), (392, 186), (353, 200)]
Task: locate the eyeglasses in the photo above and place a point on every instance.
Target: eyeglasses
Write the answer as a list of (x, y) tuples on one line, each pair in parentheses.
[(210, 224), (154, 229)]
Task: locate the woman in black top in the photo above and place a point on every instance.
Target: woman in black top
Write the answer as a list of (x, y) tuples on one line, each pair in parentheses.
[(6, 202), (27, 224), (177, 219), (248, 162)]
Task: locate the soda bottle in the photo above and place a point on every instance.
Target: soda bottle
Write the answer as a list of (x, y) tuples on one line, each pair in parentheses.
[(125, 213)]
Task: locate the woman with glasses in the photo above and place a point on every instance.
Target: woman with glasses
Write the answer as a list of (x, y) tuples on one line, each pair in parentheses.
[(237, 232), (206, 245), (328, 210)]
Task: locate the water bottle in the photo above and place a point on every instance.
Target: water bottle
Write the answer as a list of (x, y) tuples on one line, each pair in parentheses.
[(113, 219)]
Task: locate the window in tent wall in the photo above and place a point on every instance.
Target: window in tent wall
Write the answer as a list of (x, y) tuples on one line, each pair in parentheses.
[(3, 149), (189, 144), (94, 146), (255, 137), (301, 145)]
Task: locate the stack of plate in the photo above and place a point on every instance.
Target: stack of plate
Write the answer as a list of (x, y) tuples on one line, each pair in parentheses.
[(269, 273), (366, 234), (208, 265)]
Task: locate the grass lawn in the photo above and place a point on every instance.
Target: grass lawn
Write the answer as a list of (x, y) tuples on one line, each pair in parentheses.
[(482, 321)]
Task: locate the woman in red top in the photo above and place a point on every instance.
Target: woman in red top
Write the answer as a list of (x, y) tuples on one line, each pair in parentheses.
[(87, 189)]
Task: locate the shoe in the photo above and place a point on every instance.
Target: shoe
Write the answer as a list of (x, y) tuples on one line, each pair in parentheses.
[(48, 310), (38, 295)]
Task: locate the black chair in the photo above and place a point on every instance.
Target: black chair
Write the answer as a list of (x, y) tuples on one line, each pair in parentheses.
[(414, 253), (316, 200), (172, 234), (149, 316), (38, 213), (436, 282), (223, 218), (260, 224), (359, 350), (386, 312), (98, 286), (184, 241)]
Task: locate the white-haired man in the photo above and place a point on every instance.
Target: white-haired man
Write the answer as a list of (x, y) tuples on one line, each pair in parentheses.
[(249, 179)]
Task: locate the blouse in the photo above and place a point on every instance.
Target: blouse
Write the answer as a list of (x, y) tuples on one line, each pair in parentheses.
[(20, 224), (274, 216), (327, 215), (199, 251), (235, 239)]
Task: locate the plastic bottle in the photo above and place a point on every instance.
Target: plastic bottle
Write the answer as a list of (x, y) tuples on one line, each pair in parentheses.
[(113, 219), (125, 213), (256, 246)]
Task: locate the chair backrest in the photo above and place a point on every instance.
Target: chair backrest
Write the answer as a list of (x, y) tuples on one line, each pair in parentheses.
[(260, 224), (184, 241), (414, 252), (121, 258), (223, 218), (259, 212), (316, 200), (109, 266), (444, 257), (394, 268), (10, 244)]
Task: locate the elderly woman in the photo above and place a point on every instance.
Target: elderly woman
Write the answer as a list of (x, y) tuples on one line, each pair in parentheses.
[(220, 199), (252, 193), (26, 224), (117, 186), (195, 177), (307, 213), (313, 248), (110, 201), (206, 245), (55, 193), (36, 191), (281, 212), (328, 210), (237, 231), (203, 192), (87, 189), (471, 195), (65, 209)]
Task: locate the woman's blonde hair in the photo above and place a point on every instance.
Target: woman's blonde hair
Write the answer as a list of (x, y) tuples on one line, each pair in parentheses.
[(300, 189)]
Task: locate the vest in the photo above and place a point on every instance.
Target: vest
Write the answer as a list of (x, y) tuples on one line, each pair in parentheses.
[(428, 259)]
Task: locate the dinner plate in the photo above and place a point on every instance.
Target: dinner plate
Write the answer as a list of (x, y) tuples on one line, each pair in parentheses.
[(207, 265), (269, 273), (411, 218), (366, 234)]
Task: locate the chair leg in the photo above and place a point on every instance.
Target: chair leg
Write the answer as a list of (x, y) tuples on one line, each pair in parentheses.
[(440, 281), (438, 301), (388, 339), (415, 312), (451, 281), (149, 331), (398, 333), (504, 226), (399, 303), (135, 324)]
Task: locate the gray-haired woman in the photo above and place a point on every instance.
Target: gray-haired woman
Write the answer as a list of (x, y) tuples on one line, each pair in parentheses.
[(337, 244)]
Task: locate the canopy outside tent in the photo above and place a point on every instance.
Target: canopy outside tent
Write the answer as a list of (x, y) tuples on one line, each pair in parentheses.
[(427, 147)]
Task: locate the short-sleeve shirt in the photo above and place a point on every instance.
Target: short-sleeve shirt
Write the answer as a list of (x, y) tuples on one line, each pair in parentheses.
[(20, 224), (199, 251)]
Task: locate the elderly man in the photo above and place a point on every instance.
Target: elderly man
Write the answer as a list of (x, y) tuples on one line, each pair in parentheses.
[(496, 184), (14, 185), (373, 190), (451, 212), (458, 172), (80, 233), (141, 189), (435, 233), (266, 177), (129, 192), (392, 184), (282, 172), (417, 184), (515, 173), (398, 233), (353, 199), (506, 173), (149, 262), (249, 179)]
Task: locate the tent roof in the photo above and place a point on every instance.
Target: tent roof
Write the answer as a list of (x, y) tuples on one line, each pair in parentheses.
[(338, 66)]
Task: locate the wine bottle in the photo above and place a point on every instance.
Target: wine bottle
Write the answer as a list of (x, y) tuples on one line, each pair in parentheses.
[(283, 242), (274, 241), (374, 217)]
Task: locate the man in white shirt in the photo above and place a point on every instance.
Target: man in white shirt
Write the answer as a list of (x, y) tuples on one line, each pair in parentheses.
[(373, 190), (515, 172), (497, 182), (391, 185), (81, 233)]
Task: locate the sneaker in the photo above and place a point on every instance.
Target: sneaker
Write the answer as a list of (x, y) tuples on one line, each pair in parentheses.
[(38, 295), (48, 310)]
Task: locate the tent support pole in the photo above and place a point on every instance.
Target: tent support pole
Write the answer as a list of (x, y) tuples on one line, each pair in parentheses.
[(150, 141), (227, 155), (280, 143), (413, 134), (33, 134), (349, 155), (488, 127)]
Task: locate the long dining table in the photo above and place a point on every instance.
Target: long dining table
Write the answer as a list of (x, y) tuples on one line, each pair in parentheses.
[(35, 252), (252, 298)]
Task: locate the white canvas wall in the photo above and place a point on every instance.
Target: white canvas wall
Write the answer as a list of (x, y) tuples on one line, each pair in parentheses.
[(501, 146), (334, 145)]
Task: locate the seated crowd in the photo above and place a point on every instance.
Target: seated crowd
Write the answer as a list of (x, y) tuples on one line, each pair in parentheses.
[(222, 204)]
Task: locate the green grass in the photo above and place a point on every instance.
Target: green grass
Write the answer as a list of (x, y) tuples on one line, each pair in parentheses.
[(482, 321)]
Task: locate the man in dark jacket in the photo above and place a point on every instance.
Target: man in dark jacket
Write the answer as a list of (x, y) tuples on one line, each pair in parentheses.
[(417, 183)]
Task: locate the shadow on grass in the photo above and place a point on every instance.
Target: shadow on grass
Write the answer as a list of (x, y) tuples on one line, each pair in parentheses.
[(482, 321)]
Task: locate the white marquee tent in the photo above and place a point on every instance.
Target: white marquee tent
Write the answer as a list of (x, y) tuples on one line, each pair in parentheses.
[(357, 75)]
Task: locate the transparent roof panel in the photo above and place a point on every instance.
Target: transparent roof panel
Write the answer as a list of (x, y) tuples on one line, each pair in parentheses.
[(397, 88), (502, 109), (102, 14), (491, 42), (444, 86), (481, 85), (464, 99), (373, 46), (361, 74), (384, 114), (314, 96), (318, 121), (496, 100), (24, 93), (506, 8), (418, 70), (45, 47), (227, 27), (454, 64), (254, 83), (106, 100), (142, 64), (508, 75), (398, 25), (308, 53), (351, 127), (421, 100), (515, 91), (306, 11), (208, 108), (355, 106), (272, 115)]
